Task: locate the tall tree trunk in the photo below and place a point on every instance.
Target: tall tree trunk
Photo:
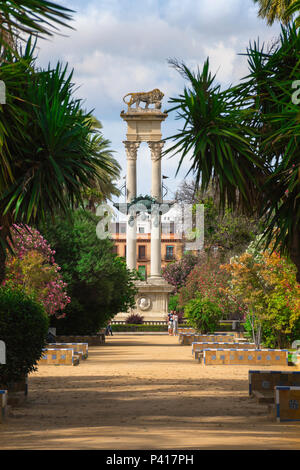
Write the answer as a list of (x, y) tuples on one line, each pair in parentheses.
[(295, 248)]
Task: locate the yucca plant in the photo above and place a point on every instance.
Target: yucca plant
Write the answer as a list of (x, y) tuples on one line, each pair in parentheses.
[(245, 139), (20, 18), (48, 146)]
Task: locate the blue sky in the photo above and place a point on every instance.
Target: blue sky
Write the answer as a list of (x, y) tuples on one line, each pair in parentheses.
[(121, 46)]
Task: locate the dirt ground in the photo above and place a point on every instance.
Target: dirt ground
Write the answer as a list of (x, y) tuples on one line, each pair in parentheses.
[(143, 392)]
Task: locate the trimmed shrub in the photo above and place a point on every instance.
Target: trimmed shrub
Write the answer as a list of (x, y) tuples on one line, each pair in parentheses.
[(202, 314), (23, 327), (135, 319)]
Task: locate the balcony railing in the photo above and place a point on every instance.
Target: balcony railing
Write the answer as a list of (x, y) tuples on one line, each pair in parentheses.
[(170, 257)]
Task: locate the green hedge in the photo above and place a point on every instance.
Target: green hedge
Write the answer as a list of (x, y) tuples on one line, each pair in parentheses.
[(158, 328), (23, 328)]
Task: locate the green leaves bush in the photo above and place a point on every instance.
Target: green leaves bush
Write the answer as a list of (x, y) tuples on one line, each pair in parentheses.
[(202, 314), (23, 327), (99, 283)]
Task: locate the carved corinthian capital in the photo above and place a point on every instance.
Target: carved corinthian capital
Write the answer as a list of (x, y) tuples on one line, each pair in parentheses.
[(131, 149), (156, 148)]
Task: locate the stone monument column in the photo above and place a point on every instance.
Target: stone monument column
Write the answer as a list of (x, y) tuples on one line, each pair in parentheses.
[(131, 153), (144, 125), (156, 193)]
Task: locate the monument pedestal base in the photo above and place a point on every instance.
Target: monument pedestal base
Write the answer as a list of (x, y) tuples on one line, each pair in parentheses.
[(151, 301)]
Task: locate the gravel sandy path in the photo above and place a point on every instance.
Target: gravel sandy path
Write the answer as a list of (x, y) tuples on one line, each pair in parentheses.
[(143, 392)]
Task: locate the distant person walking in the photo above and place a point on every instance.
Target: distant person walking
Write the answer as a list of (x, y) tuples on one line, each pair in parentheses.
[(175, 324), (170, 323), (108, 329)]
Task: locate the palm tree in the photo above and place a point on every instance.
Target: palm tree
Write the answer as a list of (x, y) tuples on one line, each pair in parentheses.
[(29, 17), (49, 147), (294, 8), (102, 187), (274, 10), (246, 139)]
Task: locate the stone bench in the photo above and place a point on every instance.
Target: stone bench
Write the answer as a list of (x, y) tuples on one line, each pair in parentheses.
[(3, 405), (200, 346), (66, 357), (81, 348), (262, 357), (16, 391), (287, 403), (262, 380), (187, 339), (186, 330)]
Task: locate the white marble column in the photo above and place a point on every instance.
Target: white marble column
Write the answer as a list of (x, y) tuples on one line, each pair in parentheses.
[(131, 153), (156, 148)]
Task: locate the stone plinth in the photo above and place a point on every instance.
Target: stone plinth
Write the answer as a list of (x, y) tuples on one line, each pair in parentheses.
[(151, 301), (143, 125)]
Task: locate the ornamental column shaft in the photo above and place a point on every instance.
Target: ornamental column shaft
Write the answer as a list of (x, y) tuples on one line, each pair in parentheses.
[(156, 193), (131, 153)]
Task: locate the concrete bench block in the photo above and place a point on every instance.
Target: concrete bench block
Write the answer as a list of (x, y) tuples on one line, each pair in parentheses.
[(264, 381), (263, 357), (83, 348), (59, 357), (287, 403)]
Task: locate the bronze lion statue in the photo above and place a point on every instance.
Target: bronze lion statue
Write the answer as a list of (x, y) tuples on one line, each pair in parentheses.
[(150, 97)]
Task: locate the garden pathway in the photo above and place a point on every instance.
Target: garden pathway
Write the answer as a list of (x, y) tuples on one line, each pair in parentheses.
[(143, 392)]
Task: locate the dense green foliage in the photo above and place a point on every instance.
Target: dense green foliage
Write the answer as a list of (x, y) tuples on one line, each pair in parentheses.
[(99, 283), (23, 328), (202, 314), (173, 303)]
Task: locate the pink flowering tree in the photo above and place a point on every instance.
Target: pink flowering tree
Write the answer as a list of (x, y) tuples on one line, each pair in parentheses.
[(32, 266), (177, 272)]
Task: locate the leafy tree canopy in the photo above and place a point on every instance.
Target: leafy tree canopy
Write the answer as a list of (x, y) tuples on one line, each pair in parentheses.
[(99, 283)]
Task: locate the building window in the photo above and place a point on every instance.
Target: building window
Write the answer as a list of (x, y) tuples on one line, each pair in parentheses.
[(142, 252), (115, 249), (141, 229), (170, 252), (142, 271)]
